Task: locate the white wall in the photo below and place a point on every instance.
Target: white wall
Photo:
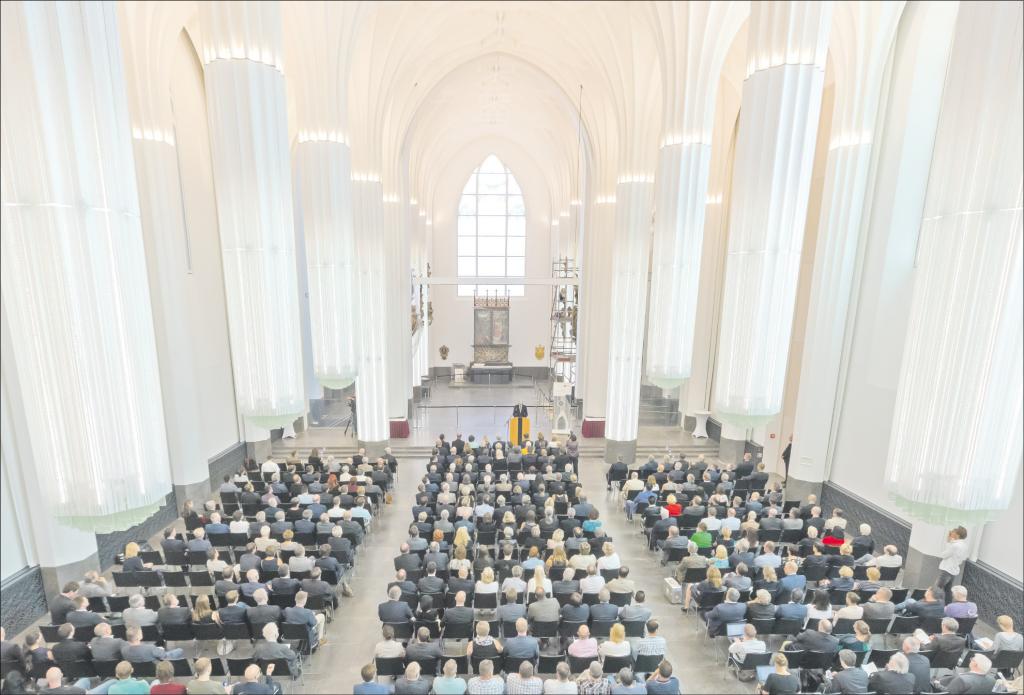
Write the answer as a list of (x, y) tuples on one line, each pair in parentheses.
[(205, 298), (13, 558), (530, 315)]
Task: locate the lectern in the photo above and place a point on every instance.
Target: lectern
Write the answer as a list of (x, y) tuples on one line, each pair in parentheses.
[(519, 425)]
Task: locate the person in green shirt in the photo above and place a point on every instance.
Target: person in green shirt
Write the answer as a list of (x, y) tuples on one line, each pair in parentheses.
[(449, 683), (202, 685), (125, 684), (702, 539)]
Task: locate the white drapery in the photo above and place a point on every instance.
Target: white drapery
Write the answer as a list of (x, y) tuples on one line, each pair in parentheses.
[(957, 443), (75, 289), (771, 185), (245, 93)]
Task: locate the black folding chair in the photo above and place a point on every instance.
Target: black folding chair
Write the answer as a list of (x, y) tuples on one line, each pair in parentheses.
[(614, 664)]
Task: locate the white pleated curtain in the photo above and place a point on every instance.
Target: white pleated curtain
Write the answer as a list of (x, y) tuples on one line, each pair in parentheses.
[(957, 442), (75, 291), (771, 185), (246, 108)]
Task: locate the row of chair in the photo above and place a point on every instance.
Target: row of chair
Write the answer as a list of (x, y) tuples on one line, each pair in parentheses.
[(394, 667), (183, 668)]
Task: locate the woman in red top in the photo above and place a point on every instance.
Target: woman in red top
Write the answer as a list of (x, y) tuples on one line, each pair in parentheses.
[(835, 538), (673, 507), (166, 686)]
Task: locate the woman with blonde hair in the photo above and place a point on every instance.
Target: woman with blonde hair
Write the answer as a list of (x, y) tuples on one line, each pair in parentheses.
[(486, 583), (203, 612), (461, 539), (673, 506), (712, 582), (558, 559), (483, 645), (584, 559), (289, 544), (132, 561), (721, 558), (557, 539), (616, 644), (538, 580)]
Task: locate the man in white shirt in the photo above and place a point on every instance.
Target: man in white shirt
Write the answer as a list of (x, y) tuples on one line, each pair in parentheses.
[(712, 522), (953, 557), (270, 466), (748, 644), (730, 521), (593, 582)]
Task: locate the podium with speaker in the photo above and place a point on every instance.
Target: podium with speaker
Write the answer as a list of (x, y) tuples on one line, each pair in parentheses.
[(519, 425)]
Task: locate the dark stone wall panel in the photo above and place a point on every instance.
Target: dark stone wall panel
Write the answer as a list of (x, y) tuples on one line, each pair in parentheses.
[(109, 545), (22, 600), (226, 462), (995, 593)]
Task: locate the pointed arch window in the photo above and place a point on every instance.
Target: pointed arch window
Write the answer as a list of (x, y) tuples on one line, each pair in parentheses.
[(492, 231)]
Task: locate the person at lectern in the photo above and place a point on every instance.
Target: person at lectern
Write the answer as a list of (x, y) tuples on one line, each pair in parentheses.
[(520, 410)]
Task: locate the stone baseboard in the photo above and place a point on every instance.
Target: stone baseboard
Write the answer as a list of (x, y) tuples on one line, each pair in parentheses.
[(24, 600)]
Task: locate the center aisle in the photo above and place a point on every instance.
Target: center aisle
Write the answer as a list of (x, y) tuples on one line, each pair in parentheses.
[(690, 654), (356, 628)]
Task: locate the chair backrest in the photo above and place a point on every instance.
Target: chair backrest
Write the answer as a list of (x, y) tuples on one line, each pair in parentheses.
[(579, 664), (207, 631), (403, 631), (144, 669), (888, 574), (941, 659), (544, 629), (237, 666), (621, 598), (49, 632), (75, 669), (647, 663), (710, 599), (899, 595), (428, 667), (904, 624), (880, 657), (485, 600), (105, 669), (843, 626), (392, 667), (818, 660), (1007, 659), (151, 633), (614, 664), (182, 667), (600, 629), (754, 659), (178, 633)]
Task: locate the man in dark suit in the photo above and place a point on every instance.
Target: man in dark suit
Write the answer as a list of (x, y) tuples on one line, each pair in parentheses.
[(402, 583), (947, 642), (407, 561), (730, 611), (262, 612), (786, 453), (977, 680), (63, 603), (460, 614), (300, 615), (81, 617), (314, 586), (933, 605), (104, 646), (795, 609), (431, 583), (852, 679), (575, 611), (820, 640), (758, 479), (234, 612), (917, 665), (171, 613), (565, 585), (171, 542), (394, 610), (617, 471), (461, 582), (434, 555), (894, 680), (284, 584), (68, 648)]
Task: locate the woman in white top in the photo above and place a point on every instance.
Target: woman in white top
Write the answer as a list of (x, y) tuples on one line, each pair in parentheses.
[(557, 539), (584, 559), (538, 579), (616, 644), (214, 564), (610, 560), (486, 583), (820, 608), (238, 523), (264, 541)]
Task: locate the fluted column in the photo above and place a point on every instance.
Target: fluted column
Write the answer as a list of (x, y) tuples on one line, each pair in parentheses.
[(593, 323), (956, 448), (399, 330), (168, 254), (861, 47), (372, 278), (774, 156), (246, 106), (78, 327), (634, 198), (695, 38)]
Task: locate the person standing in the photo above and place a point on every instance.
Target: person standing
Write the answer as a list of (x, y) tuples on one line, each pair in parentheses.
[(953, 557), (786, 454)]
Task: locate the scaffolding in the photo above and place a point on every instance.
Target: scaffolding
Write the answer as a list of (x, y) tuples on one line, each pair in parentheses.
[(564, 311)]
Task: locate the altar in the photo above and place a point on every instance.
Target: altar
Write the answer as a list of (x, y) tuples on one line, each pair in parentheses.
[(490, 363)]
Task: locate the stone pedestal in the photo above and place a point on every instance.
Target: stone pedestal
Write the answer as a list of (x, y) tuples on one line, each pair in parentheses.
[(626, 449)]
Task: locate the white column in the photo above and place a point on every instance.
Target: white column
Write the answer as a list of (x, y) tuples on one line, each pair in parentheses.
[(634, 198), (696, 38), (245, 94), (371, 384), (774, 156), (956, 449), (75, 291), (862, 44), (593, 322), (399, 330), (167, 249)]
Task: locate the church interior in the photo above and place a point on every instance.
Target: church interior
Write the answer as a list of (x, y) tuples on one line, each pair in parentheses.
[(512, 347)]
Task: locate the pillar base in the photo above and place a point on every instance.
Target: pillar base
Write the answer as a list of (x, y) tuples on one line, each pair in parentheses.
[(197, 492), (920, 570), (799, 489), (373, 449), (731, 450), (613, 449), (592, 428), (54, 578), (258, 450)]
